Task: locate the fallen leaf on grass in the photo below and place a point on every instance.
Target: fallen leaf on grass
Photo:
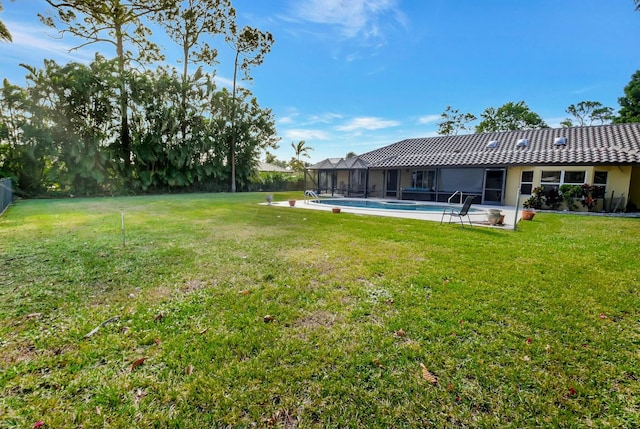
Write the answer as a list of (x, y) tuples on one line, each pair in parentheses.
[(38, 424), (136, 363), (159, 316), (157, 341), (188, 370), (427, 375), (268, 318), (572, 391), (243, 292), (400, 333), (203, 331)]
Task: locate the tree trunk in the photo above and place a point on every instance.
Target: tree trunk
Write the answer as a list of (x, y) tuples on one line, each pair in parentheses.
[(232, 146), (125, 138)]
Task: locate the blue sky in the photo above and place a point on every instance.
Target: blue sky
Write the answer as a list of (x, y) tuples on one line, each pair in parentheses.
[(356, 75)]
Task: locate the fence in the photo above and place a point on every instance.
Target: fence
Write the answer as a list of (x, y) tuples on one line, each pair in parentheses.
[(6, 194)]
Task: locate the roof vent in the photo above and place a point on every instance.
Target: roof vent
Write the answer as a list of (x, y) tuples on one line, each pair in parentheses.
[(522, 143), (492, 144), (560, 141)]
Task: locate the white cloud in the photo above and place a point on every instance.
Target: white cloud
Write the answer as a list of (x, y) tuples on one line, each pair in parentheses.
[(323, 118), (354, 18), (428, 119), (33, 42), (585, 89), (285, 120), (367, 123), (224, 82), (305, 134)]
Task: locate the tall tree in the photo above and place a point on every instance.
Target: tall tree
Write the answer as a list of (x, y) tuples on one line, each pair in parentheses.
[(510, 117), (14, 154), (254, 131), (250, 46), (588, 113), (189, 26), (453, 121), (630, 102), (301, 149), (118, 23), (193, 20), (4, 31), (72, 106)]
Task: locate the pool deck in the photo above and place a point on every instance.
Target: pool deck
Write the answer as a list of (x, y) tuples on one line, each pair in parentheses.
[(477, 219)]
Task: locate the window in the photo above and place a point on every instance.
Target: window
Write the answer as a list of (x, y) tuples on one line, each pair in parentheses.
[(553, 179), (600, 184), (424, 179), (526, 182), (467, 180), (574, 177), (357, 179)]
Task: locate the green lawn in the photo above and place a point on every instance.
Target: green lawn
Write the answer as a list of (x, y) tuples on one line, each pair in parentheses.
[(534, 328)]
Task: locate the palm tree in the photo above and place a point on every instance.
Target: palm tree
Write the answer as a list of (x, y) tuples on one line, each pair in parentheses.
[(4, 31), (301, 149)]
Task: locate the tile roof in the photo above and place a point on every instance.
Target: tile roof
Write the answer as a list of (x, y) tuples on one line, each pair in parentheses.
[(271, 168), (602, 144)]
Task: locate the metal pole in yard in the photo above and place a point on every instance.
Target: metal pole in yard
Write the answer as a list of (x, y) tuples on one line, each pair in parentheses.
[(515, 218), (123, 236)]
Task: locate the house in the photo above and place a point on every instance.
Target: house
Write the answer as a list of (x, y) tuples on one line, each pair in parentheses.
[(265, 167), (500, 168)]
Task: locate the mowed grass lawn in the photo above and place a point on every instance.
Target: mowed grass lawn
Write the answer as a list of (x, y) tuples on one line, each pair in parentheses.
[(233, 314)]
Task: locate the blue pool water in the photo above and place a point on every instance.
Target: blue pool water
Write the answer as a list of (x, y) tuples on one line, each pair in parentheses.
[(387, 205)]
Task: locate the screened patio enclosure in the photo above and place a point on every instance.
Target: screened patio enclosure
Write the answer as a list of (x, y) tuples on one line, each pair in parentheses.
[(439, 184), (346, 177), (352, 177)]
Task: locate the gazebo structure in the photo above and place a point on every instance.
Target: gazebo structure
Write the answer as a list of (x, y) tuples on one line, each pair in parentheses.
[(340, 176)]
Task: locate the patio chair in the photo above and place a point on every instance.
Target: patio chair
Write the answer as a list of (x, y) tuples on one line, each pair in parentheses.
[(459, 213)]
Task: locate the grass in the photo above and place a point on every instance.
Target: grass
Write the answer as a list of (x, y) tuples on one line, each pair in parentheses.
[(534, 328)]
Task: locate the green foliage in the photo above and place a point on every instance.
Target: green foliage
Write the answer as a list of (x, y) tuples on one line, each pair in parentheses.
[(250, 46), (5, 35), (275, 181), (569, 194), (588, 113), (509, 117), (188, 24), (358, 304), (452, 121), (72, 109), (536, 200), (301, 149), (61, 133), (630, 102), (552, 198)]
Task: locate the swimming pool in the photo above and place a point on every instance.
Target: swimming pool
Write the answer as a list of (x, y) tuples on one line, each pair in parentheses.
[(388, 205)]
